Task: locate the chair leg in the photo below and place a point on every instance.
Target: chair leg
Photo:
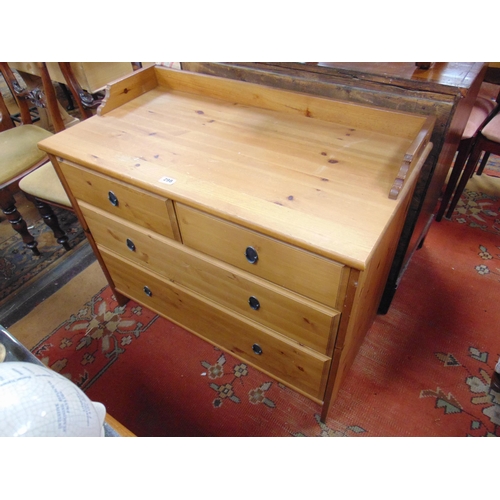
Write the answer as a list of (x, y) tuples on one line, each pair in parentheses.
[(468, 170), (484, 161), (463, 152), (49, 217), (8, 205)]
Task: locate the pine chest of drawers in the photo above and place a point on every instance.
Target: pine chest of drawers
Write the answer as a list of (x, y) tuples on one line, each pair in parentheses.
[(263, 221)]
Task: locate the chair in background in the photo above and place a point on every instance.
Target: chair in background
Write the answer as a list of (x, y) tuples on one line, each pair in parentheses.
[(484, 109), (84, 100), (20, 158), (487, 142)]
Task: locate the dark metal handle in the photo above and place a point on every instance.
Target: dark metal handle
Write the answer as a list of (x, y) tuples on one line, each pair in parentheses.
[(257, 349), (254, 303), (130, 245), (112, 198), (251, 255), (147, 291)]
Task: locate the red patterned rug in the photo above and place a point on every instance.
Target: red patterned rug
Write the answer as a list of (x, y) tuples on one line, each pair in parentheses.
[(423, 370)]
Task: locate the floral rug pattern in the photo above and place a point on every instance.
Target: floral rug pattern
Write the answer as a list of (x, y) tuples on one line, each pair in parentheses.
[(476, 373), (90, 341), (478, 210)]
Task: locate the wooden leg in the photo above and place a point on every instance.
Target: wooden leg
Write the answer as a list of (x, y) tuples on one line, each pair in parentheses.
[(468, 171), (463, 152), (8, 205), (484, 161), (50, 219)]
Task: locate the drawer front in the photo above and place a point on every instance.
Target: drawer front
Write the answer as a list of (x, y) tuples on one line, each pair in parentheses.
[(299, 367), (305, 321), (146, 209), (293, 268)]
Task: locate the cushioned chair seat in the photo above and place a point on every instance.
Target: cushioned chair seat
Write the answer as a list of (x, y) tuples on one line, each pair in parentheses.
[(14, 158), (44, 183), (492, 130), (480, 111)]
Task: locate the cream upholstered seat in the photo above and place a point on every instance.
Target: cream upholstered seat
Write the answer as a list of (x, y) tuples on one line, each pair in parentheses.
[(482, 109), (492, 130), (19, 150), (44, 183)]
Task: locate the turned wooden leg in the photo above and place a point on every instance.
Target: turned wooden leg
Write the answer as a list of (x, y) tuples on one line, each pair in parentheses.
[(49, 217), (8, 205)]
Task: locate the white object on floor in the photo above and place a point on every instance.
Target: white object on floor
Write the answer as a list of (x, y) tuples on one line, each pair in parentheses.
[(37, 401)]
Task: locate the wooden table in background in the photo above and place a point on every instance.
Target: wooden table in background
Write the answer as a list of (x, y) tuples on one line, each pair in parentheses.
[(446, 90)]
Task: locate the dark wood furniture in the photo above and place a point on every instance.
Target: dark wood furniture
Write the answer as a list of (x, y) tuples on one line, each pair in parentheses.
[(474, 144), (20, 153), (446, 91)]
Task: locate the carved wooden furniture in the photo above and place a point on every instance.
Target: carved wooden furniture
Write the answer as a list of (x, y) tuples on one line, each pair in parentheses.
[(20, 154), (446, 91), (263, 221), (91, 76), (83, 79)]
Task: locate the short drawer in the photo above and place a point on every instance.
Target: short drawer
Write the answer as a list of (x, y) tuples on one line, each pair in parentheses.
[(299, 367), (303, 320), (301, 271), (146, 209)]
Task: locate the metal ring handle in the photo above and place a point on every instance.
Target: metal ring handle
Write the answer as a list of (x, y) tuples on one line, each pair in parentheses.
[(254, 303), (113, 198), (257, 349), (130, 245), (251, 255)]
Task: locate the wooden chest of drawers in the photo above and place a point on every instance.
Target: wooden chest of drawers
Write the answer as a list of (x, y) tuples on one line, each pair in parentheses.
[(263, 221)]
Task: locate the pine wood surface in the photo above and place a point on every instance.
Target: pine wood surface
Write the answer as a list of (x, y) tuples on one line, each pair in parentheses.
[(304, 272), (303, 369), (153, 212), (318, 183), (286, 312), (305, 181)]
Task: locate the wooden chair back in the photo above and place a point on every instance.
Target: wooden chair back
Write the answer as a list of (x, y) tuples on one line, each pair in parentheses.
[(5, 118), (84, 100), (44, 97)]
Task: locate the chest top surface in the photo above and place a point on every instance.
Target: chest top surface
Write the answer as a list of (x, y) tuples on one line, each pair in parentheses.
[(310, 171)]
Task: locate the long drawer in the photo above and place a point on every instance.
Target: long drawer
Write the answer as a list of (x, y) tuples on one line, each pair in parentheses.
[(299, 367), (146, 209), (306, 321), (303, 272)]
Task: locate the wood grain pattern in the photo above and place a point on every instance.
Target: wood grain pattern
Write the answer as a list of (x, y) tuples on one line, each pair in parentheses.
[(288, 266), (301, 319), (280, 173), (153, 212), (287, 361), (229, 167)]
